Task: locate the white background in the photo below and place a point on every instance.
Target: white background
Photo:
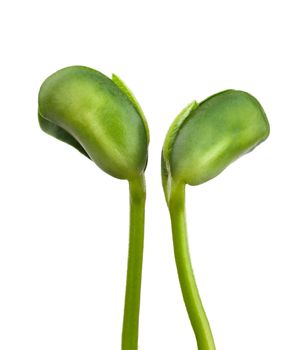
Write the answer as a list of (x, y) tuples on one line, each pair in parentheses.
[(64, 223)]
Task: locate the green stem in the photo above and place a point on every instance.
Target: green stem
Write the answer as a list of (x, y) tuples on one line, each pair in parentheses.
[(189, 289), (134, 268)]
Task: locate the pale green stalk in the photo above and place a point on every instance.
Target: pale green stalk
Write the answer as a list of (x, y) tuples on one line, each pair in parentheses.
[(134, 269), (188, 285)]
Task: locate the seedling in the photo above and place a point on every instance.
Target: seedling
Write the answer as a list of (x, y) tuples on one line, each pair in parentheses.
[(202, 141), (102, 119)]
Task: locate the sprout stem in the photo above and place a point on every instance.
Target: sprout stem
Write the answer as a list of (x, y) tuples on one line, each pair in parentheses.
[(188, 285), (134, 268)]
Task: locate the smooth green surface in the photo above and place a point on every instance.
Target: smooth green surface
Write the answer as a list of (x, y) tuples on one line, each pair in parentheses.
[(169, 140), (134, 270), (213, 135), (88, 107), (60, 134), (188, 285), (122, 86)]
